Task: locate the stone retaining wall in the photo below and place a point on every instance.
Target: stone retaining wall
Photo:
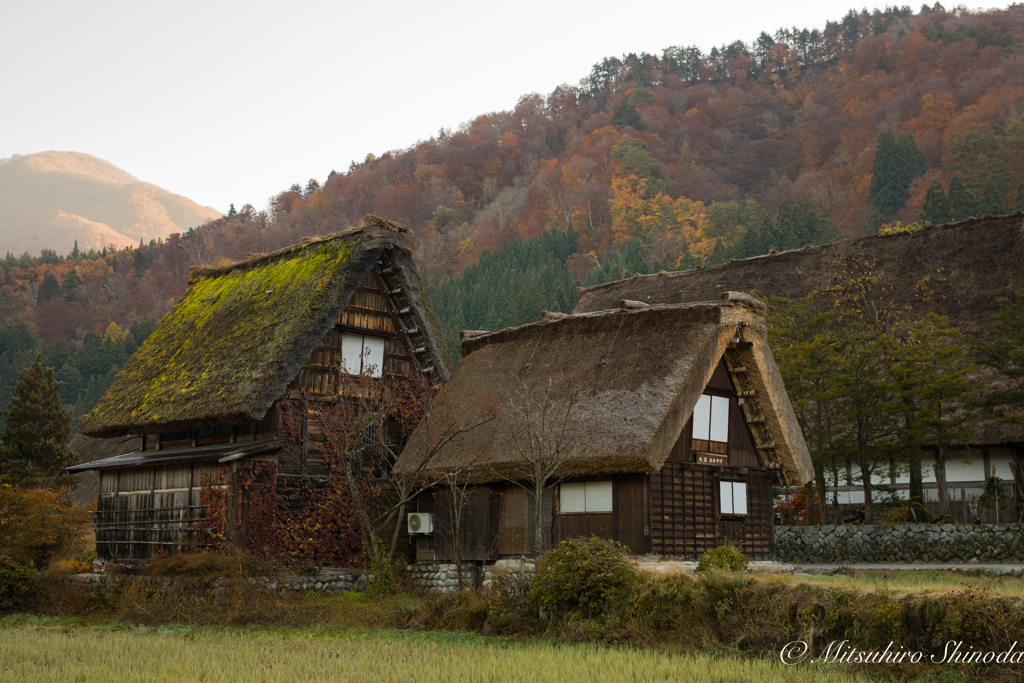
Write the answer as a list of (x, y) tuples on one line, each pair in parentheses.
[(332, 582), (849, 544)]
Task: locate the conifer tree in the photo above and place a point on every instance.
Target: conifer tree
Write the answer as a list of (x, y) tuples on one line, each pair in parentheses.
[(991, 202), (962, 204), (49, 288), (897, 164), (769, 237), (36, 429), (625, 114), (140, 264), (69, 286), (717, 254), (785, 226), (936, 205), (750, 244)]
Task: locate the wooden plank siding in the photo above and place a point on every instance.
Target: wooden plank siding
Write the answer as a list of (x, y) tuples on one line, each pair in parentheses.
[(478, 525), (684, 507), (142, 510), (685, 519)]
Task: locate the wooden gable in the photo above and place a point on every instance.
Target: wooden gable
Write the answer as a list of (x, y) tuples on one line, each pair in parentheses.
[(741, 449)]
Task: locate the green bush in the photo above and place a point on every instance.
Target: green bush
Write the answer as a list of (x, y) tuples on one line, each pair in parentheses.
[(582, 575), (18, 584), (723, 557)]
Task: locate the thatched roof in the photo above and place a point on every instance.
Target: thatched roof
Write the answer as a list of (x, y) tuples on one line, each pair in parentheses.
[(634, 375), (967, 267), (241, 333)]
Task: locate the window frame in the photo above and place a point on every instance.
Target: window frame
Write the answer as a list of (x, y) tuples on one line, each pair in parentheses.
[(585, 484), (732, 484), (363, 356), (709, 446)]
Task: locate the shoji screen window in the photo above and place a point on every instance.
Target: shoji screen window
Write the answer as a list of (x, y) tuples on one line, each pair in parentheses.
[(732, 498), (711, 425), (585, 496), (362, 354)]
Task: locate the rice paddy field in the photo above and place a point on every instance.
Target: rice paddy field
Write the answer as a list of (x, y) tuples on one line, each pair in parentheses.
[(915, 581), (55, 650)]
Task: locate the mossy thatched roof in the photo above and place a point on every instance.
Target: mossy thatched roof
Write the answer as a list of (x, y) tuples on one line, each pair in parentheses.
[(241, 333), (965, 268), (633, 375)]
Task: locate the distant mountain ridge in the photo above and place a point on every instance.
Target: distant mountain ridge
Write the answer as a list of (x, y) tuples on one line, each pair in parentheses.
[(51, 199)]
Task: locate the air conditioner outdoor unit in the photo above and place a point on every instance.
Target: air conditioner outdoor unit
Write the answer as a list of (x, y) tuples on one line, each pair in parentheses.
[(421, 523)]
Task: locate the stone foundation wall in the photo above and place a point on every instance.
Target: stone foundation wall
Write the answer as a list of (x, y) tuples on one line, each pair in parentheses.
[(850, 544), (328, 583)]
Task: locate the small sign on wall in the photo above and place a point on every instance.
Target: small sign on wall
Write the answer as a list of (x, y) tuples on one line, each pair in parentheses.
[(710, 459)]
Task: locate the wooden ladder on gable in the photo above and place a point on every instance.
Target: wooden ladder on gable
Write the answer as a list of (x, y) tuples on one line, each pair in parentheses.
[(409, 323), (753, 413)]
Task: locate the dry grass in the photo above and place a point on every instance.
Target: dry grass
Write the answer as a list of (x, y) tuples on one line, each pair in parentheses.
[(919, 582), (55, 651), (716, 613)]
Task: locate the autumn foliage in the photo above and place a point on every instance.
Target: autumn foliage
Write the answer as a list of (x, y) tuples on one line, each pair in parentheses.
[(678, 158)]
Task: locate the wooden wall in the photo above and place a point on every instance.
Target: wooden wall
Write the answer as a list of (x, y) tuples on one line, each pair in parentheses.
[(684, 511), (478, 526), (145, 509)]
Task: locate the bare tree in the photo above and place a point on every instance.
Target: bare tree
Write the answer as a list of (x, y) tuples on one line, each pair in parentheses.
[(366, 428), (457, 479), (541, 441)]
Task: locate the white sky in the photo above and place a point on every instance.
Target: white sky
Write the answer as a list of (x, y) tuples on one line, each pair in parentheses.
[(234, 101)]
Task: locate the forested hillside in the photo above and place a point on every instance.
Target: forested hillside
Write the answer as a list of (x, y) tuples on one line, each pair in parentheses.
[(651, 162)]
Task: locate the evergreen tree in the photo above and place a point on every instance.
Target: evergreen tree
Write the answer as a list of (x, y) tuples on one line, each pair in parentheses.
[(991, 202), (625, 114), (717, 254), (785, 226), (140, 264), (1019, 202), (936, 205), (49, 288), (638, 265), (69, 286), (769, 237), (36, 429), (76, 254), (897, 165), (750, 244), (232, 214), (961, 202), (1005, 355)]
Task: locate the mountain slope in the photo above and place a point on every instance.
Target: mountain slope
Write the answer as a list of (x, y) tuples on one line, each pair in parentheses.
[(51, 199)]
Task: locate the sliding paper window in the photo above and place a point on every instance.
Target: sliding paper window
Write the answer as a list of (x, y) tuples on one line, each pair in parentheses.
[(732, 497), (711, 424), (362, 354), (585, 496)]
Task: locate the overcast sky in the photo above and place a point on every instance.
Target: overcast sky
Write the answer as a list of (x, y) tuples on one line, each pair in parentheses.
[(234, 101)]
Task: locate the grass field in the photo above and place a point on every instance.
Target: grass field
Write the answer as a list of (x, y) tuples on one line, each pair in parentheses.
[(47, 649), (920, 582)]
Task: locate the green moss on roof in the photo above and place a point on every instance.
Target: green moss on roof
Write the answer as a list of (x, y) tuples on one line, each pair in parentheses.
[(239, 335)]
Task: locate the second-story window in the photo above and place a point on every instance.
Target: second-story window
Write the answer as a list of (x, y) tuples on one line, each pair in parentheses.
[(711, 425), (362, 354)]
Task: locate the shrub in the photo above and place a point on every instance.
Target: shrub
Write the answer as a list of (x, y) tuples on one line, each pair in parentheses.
[(582, 575), (36, 524), (723, 557), (18, 584)]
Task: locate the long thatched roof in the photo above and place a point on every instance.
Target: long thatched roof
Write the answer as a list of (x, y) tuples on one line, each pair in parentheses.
[(241, 333), (632, 376), (958, 270)]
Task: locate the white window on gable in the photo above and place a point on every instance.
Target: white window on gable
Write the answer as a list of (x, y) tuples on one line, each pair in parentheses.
[(711, 424), (732, 497), (585, 496), (362, 354)]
